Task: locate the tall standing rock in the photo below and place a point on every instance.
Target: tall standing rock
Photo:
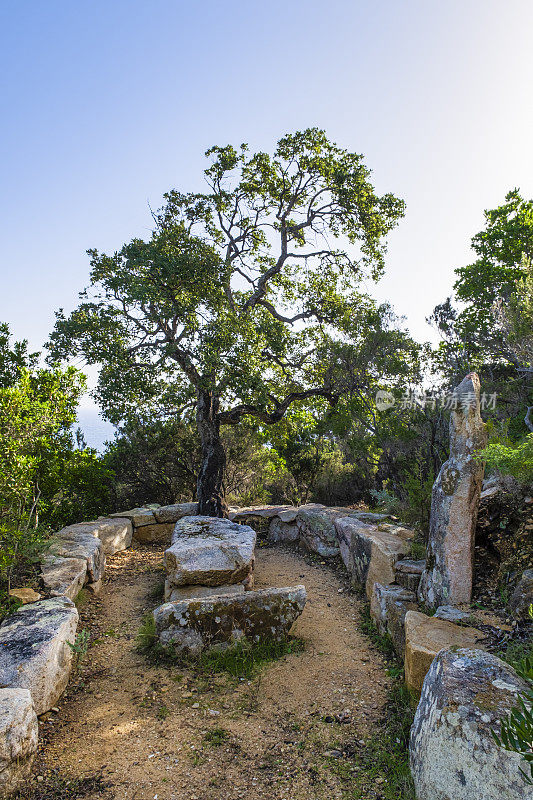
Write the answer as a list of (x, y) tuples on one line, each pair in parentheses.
[(447, 578)]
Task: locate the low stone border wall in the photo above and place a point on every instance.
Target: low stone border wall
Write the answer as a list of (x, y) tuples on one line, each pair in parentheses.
[(375, 552)]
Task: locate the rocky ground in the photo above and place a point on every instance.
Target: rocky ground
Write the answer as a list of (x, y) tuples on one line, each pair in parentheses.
[(129, 728)]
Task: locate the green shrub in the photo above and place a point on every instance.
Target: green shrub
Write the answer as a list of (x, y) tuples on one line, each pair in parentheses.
[(510, 459)]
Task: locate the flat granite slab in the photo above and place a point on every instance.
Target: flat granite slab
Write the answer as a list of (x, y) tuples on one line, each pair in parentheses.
[(209, 551), (200, 623), (34, 653)]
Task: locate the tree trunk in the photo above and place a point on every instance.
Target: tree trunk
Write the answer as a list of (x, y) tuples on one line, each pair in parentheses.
[(210, 499)]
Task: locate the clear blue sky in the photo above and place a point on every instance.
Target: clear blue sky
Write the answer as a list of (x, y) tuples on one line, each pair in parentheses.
[(106, 105)]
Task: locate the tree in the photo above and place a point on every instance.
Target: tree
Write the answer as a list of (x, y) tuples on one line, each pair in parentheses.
[(470, 336), (13, 358), (239, 304)]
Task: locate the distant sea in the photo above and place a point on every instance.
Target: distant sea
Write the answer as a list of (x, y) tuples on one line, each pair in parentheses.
[(95, 429)]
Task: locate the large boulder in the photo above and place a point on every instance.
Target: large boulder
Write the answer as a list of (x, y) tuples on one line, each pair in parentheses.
[(370, 552), (279, 531), (425, 637), (522, 597), (159, 533), (454, 504), (317, 530), (72, 543), (453, 755), (209, 551), (220, 621), (64, 577), (34, 653), (173, 513), (388, 607), (114, 533), (18, 738)]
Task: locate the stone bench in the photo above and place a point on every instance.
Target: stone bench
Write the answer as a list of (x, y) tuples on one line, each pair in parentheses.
[(370, 551), (153, 525), (208, 551), (18, 738), (425, 637), (34, 653), (197, 624)]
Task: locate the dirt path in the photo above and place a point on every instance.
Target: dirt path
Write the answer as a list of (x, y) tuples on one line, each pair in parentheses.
[(164, 733)]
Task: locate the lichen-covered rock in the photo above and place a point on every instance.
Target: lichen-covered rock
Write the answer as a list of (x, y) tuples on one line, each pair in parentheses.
[(453, 755), (114, 532), (454, 504), (64, 577), (175, 512), (18, 738), (174, 594), (370, 552), (279, 531), (522, 597), (408, 573), (72, 543), (317, 530), (34, 653), (425, 637), (202, 623), (388, 607), (209, 551), (452, 614)]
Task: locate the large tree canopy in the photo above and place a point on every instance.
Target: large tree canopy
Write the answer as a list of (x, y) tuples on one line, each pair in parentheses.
[(245, 299)]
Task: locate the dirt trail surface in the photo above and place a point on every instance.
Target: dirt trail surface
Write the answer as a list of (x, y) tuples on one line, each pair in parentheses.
[(159, 732)]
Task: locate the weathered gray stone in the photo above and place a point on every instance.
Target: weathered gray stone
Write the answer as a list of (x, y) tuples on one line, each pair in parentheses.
[(453, 755), (388, 607), (138, 516), (71, 543), (174, 594), (175, 512), (114, 532), (370, 552), (425, 637), (264, 512), (280, 531), (202, 623), (317, 529), (18, 738), (522, 597), (64, 577), (408, 573), (454, 504), (209, 551), (34, 653), (152, 534), (452, 614)]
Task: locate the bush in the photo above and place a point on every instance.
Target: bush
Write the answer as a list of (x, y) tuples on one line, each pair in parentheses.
[(515, 460)]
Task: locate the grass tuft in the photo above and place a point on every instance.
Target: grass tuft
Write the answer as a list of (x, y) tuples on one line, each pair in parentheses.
[(216, 737)]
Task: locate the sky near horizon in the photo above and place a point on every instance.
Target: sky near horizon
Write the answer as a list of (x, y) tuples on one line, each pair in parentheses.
[(107, 105)]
